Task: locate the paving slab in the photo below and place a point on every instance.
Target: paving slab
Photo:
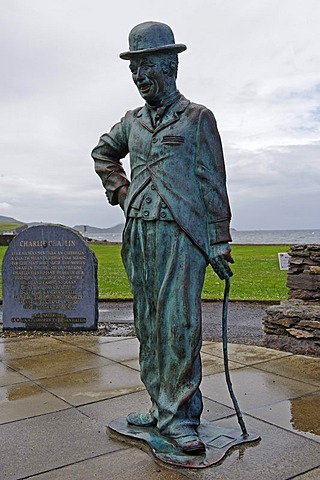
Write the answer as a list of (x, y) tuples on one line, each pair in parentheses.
[(132, 364), (313, 475), (127, 349), (56, 363), (254, 388), (298, 367), (300, 415), (245, 354), (50, 441), (25, 400), (213, 410), (8, 376), (121, 465), (213, 364), (105, 411), (86, 386), (280, 455), (21, 347)]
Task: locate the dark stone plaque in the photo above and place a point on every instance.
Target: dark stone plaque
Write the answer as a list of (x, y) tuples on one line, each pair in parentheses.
[(49, 281)]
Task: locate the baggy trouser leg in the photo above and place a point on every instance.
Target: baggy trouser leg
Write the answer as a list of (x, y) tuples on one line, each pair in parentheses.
[(166, 271)]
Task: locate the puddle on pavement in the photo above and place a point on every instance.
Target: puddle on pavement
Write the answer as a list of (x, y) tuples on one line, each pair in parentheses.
[(21, 391), (305, 414)]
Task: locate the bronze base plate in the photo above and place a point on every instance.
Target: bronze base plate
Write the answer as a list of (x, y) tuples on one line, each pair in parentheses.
[(218, 441)]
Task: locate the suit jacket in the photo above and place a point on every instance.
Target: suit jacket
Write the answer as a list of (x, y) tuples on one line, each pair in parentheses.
[(183, 159)]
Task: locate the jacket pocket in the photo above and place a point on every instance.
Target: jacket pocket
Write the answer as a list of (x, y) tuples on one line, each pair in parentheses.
[(173, 140)]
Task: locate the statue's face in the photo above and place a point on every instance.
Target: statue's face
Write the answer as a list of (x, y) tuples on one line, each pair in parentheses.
[(150, 79)]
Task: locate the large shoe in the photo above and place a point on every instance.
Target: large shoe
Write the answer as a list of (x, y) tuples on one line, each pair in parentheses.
[(191, 444), (141, 420)]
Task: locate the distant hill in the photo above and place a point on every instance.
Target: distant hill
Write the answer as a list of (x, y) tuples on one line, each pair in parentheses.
[(89, 229), (8, 219), (9, 224)]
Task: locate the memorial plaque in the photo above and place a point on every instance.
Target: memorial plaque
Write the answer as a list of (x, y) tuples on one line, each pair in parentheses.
[(49, 281)]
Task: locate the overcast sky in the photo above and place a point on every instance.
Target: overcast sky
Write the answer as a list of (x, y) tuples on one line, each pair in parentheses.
[(254, 63)]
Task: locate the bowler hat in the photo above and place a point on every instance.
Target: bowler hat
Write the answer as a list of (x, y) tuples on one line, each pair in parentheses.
[(151, 37)]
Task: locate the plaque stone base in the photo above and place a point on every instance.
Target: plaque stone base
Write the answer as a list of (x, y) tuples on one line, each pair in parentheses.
[(218, 442)]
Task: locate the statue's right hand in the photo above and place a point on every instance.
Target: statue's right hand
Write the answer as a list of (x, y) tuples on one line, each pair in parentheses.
[(219, 259), (122, 193)]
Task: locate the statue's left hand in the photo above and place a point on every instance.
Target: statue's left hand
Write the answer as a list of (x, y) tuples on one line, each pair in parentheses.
[(220, 258), (122, 193)]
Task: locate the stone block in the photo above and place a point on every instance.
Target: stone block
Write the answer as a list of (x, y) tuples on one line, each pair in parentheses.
[(310, 324), (285, 322), (295, 332), (272, 329), (307, 295), (314, 269), (304, 281)]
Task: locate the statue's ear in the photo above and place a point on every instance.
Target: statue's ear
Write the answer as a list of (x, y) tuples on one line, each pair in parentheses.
[(172, 69), (166, 68)]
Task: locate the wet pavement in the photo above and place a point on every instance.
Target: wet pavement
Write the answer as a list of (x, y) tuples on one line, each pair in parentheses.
[(58, 393)]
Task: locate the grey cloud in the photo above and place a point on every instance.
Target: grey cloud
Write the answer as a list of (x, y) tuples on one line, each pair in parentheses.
[(275, 188), (63, 85)]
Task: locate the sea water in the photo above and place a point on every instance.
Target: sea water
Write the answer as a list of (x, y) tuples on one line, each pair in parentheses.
[(287, 237), (255, 237)]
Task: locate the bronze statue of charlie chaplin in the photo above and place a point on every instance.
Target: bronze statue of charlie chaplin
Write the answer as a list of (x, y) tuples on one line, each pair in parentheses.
[(177, 223)]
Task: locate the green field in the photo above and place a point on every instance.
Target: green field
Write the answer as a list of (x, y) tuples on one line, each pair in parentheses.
[(256, 274), (9, 226)]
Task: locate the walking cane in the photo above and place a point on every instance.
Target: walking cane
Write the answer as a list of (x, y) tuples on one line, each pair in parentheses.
[(225, 356)]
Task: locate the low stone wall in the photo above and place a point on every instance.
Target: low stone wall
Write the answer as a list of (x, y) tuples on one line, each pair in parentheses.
[(295, 323), (304, 272)]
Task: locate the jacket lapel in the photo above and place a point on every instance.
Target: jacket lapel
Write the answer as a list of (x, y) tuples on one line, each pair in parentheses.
[(144, 119), (171, 116), (173, 113)]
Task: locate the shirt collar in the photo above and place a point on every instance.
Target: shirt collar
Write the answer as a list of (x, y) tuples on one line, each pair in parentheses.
[(167, 102)]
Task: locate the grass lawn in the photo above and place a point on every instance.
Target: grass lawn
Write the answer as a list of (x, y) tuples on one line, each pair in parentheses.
[(9, 226), (256, 274)]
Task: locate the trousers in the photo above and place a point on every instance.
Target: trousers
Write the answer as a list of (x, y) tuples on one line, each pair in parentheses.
[(166, 273)]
